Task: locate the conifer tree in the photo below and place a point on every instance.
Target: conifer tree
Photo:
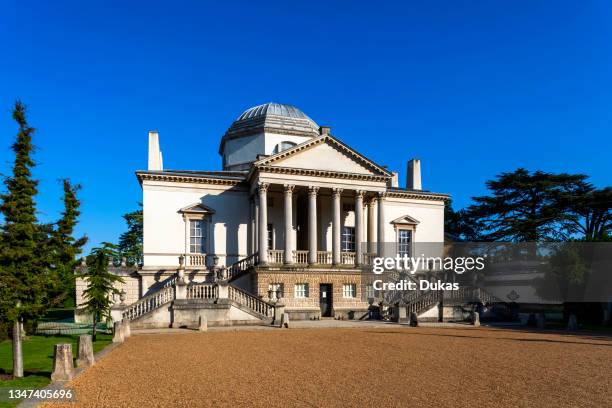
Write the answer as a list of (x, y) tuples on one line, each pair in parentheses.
[(100, 284), (24, 282), (130, 242), (64, 246)]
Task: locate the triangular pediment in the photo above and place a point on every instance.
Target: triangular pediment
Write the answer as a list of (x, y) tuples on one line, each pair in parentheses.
[(405, 220), (324, 153), (197, 208)]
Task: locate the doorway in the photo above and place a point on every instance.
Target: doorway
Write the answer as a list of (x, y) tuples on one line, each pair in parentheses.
[(326, 299)]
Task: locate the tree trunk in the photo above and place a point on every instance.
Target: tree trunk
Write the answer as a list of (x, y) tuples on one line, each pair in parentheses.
[(95, 323), (17, 350)]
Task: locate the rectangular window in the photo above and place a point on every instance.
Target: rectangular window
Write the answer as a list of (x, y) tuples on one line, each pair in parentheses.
[(270, 236), (197, 236), (348, 239), (301, 290), (275, 287), (404, 242), (349, 290), (369, 291)]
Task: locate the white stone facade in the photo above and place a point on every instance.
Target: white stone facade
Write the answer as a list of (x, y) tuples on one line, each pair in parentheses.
[(313, 195)]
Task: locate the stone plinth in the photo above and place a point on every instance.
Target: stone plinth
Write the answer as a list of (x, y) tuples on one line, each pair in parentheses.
[(279, 311), (85, 356), (401, 313), (127, 331), (203, 324), (414, 319), (285, 320), (475, 319), (117, 332), (63, 369)]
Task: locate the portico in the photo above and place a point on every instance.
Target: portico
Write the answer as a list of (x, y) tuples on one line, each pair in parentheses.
[(317, 252)]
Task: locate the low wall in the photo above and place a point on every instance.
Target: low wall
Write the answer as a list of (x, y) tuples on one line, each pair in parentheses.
[(187, 313)]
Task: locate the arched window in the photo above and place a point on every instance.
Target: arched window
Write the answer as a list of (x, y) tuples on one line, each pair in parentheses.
[(283, 146)]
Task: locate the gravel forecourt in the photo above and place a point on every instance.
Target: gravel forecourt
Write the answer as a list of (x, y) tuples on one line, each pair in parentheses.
[(352, 367)]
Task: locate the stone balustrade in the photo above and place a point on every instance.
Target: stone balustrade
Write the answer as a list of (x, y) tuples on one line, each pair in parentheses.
[(201, 291)]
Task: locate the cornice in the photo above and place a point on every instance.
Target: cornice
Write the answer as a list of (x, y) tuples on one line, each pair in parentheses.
[(320, 173), (418, 196), (179, 178)]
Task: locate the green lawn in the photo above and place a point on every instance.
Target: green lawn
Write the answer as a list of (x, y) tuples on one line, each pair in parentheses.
[(38, 359)]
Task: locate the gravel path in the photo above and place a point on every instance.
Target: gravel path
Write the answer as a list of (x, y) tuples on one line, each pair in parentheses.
[(390, 367)]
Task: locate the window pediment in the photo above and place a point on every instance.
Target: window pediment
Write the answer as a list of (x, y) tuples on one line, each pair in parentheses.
[(405, 220), (197, 209)]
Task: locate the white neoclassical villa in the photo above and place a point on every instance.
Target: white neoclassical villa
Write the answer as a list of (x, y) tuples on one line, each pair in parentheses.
[(295, 213)]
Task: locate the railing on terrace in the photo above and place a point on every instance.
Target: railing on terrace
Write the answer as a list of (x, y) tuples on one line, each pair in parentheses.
[(198, 260), (300, 257), (201, 291), (324, 257), (252, 302), (241, 266), (149, 303), (275, 256), (347, 258)]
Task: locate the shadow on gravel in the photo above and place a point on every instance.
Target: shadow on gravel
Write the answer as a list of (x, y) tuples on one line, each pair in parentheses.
[(499, 338)]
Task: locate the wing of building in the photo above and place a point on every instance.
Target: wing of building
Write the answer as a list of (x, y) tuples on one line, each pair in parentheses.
[(295, 212)]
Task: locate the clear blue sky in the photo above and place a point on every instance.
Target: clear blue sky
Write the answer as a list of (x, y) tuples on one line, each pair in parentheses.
[(472, 88)]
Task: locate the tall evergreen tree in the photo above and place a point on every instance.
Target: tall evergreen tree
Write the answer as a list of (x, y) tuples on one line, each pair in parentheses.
[(130, 242), (64, 246), (100, 284), (590, 212), (24, 282), (524, 206), (458, 224)]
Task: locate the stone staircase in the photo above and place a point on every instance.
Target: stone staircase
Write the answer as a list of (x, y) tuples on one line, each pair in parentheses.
[(210, 299)]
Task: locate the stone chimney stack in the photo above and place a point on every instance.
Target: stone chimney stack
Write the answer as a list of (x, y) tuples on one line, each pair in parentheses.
[(413, 175), (155, 154)]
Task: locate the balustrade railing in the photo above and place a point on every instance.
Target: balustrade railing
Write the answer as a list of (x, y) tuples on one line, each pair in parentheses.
[(368, 258), (201, 291), (275, 256), (347, 258), (196, 260), (300, 257), (324, 257), (149, 303), (423, 301), (237, 268), (250, 301)]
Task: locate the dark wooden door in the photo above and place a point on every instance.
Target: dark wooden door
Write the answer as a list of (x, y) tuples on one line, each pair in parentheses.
[(325, 299)]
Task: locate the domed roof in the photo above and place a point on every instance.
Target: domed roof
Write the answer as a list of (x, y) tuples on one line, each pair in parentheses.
[(274, 118), (276, 109)]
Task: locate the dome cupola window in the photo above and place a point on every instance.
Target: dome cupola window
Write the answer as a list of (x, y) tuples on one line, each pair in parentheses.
[(283, 146)]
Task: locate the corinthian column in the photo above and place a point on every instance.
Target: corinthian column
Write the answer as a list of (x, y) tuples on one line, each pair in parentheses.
[(312, 225), (358, 227), (381, 224), (336, 226), (288, 223), (263, 223)]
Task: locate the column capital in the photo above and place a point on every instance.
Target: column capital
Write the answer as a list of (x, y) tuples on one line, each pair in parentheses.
[(263, 187), (381, 194), (313, 190), (288, 188), (336, 191), (359, 193)]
